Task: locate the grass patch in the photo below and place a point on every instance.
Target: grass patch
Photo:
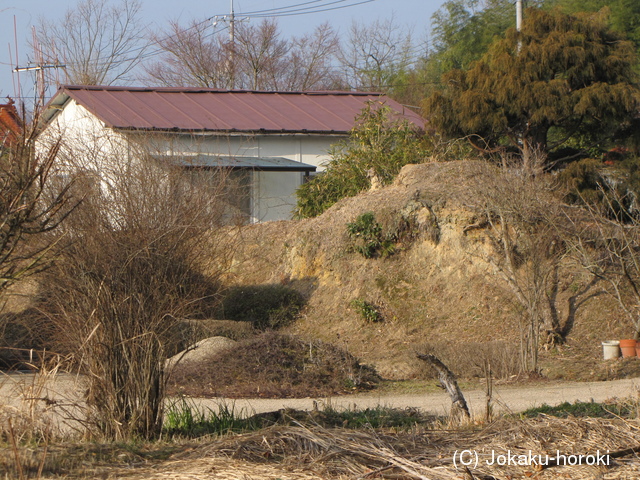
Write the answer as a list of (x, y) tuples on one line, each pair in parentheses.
[(369, 312), (185, 419), (585, 409), (377, 417)]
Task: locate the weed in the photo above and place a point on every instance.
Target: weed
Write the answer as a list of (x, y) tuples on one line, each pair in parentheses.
[(368, 239), (584, 409), (186, 419), (368, 311)]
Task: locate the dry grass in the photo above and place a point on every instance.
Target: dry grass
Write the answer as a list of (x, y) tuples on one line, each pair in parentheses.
[(273, 365), (429, 454), (306, 452)]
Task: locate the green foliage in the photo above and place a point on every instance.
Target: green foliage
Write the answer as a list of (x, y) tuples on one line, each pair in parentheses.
[(560, 76), (376, 417), (266, 306), (378, 143), (186, 419), (368, 238), (583, 409), (368, 311), (464, 29)]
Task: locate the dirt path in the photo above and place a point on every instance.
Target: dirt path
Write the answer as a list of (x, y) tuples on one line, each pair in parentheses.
[(67, 389), (505, 399)]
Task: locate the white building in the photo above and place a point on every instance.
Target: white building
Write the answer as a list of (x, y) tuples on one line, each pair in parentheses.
[(271, 139)]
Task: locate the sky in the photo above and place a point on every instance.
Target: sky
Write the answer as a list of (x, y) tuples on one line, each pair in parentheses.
[(295, 17)]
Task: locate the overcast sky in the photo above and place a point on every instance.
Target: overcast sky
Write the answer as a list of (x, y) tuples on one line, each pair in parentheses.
[(303, 16)]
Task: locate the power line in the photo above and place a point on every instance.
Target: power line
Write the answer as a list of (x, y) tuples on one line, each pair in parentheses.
[(277, 12), (314, 11)]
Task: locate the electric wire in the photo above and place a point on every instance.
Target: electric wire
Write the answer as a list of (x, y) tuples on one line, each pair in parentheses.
[(260, 14)]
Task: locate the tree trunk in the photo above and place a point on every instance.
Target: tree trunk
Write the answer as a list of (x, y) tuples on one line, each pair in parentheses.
[(450, 384)]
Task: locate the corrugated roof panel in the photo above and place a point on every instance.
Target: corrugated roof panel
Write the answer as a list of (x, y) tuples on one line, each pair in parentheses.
[(191, 109), (272, 164)]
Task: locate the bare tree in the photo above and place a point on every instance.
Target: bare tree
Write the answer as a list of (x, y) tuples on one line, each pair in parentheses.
[(259, 55), (259, 58), (34, 201), (311, 62), (192, 57), (607, 242), (375, 54), (98, 42), (527, 228)]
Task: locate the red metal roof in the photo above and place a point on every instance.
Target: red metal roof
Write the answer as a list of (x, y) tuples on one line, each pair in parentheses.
[(194, 109)]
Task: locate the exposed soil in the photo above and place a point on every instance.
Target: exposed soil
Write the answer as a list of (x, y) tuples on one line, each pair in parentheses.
[(435, 293)]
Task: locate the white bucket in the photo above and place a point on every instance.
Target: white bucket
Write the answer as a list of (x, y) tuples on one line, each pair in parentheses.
[(611, 349)]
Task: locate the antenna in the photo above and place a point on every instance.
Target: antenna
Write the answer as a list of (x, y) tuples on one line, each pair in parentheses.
[(39, 67), (15, 39)]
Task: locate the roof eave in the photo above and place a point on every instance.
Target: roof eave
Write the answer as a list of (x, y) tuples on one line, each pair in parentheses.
[(130, 129), (53, 107)]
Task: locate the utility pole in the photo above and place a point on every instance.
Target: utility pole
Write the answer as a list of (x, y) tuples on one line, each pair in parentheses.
[(518, 14), (231, 18), (232, 26), (232, 40)]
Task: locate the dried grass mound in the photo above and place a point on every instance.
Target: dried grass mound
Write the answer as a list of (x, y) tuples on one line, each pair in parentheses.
[(274, 365), (200, 353)]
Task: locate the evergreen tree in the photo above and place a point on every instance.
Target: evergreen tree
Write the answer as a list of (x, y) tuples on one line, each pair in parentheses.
[(560, 77)]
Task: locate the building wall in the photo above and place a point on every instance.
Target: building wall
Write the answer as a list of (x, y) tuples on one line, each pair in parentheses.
[(85, 142), (311, 149), (90, 145), (273, 193)]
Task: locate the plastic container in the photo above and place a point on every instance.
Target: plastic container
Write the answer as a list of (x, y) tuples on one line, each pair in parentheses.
[(611, 349)]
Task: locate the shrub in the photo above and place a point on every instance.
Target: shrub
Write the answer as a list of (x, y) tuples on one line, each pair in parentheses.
[(265, 306), (368, 311), (368, 239), (135, 267), (275, 365), (377, 142)]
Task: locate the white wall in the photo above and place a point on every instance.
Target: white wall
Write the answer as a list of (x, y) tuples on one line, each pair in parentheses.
[(89, 144), (273, 192), (311, 149)]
